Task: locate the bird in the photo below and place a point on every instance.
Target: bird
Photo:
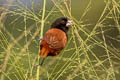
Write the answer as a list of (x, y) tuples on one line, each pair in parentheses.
[(55, 39)]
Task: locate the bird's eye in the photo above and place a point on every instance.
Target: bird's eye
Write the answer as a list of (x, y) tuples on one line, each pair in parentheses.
[(63, 22)]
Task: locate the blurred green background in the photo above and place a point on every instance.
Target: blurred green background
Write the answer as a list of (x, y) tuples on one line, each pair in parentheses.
[(93, 50)]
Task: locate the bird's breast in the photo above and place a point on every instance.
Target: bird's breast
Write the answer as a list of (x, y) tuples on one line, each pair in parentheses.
[(56, 38)]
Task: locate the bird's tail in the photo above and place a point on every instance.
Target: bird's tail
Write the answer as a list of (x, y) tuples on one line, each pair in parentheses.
[(44, 52)]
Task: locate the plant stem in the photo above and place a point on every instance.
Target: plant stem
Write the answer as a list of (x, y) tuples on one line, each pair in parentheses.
[(41, 34)]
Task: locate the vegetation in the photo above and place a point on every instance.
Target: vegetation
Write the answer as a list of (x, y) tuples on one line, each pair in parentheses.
[(93, 50)]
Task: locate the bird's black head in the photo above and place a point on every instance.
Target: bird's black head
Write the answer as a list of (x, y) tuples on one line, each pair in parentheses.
[(62, 23)]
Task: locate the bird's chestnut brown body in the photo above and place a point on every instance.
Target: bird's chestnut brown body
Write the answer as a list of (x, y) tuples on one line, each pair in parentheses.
[(53, 42), (55, 39)]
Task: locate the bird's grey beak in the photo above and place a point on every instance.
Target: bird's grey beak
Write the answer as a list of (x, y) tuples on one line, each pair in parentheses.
[(69, 23)]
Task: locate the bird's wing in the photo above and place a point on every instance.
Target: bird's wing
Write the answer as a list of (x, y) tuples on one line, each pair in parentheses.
[(56, 38)]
